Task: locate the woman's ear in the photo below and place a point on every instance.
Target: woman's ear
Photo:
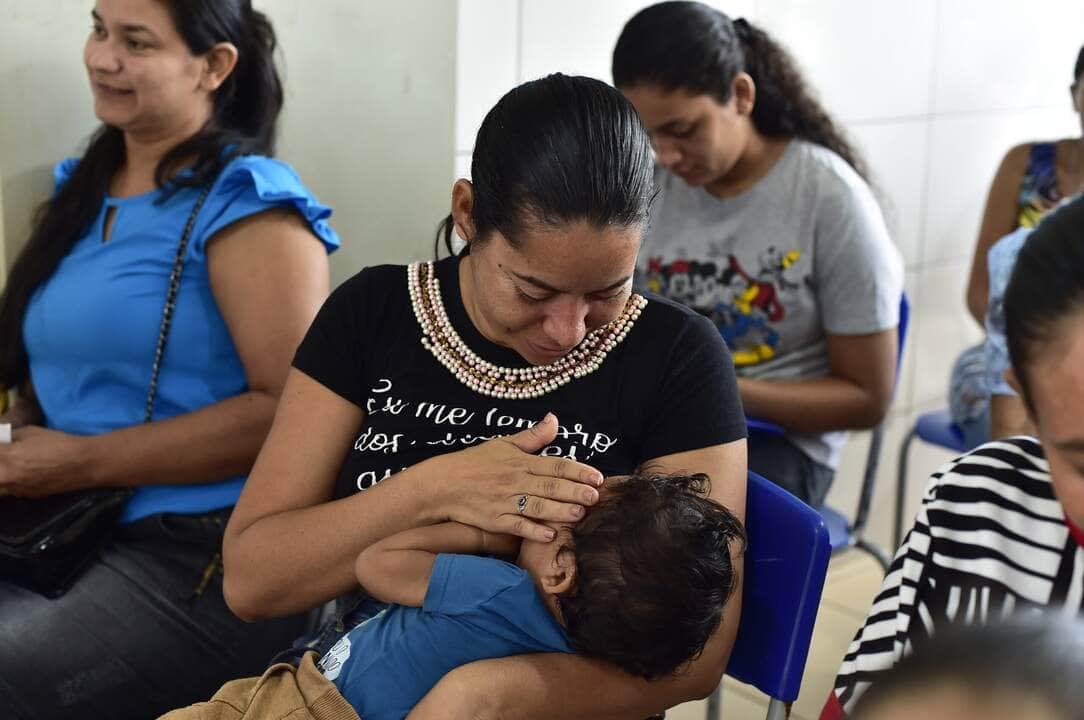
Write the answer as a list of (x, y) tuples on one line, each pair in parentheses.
[(744, 92), (463, 209), (220, 62)]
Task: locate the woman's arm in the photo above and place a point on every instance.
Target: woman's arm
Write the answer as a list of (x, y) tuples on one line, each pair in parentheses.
[(289, 547), (553, 686), (854, 396), (269, 276), (998, 220)]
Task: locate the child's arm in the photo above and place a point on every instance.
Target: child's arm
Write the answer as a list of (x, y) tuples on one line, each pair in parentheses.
[(397, 568)]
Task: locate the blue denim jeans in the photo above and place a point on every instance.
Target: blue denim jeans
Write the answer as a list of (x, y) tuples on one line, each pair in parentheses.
[(777, 459), (133, 638)]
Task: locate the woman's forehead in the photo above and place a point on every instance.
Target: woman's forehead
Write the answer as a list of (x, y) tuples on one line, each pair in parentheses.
[(574, 256)]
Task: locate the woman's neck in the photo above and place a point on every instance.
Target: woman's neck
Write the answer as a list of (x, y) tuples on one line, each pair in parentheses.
[(759, 157), (469, 298), (144, 151)]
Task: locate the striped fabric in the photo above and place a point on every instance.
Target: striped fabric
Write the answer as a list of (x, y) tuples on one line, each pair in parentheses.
[(990, 539)]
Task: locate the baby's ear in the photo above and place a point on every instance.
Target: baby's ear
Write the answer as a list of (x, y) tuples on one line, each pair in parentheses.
[(562, 574)]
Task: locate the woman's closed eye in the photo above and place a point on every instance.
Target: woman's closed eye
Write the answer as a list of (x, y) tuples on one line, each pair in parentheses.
[(611, 297), (682, 131), (527, 297)]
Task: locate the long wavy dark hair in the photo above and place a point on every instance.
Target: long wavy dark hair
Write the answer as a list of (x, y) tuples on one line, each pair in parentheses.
[(243, 119), (693, 47), (558, 149)]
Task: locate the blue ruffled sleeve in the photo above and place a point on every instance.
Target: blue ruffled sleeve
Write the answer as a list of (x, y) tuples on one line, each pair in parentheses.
[(251, 184)]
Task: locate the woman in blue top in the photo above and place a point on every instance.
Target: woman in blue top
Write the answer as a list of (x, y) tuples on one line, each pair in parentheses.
[(188, 95)]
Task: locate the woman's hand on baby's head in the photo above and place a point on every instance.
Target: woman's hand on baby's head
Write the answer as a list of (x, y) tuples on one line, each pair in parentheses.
[(501, 486)]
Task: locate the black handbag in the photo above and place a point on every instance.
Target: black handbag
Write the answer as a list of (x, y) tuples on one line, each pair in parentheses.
[(47, 543)]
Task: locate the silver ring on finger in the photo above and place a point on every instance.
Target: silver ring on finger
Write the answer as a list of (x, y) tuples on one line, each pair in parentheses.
[(521, 503)]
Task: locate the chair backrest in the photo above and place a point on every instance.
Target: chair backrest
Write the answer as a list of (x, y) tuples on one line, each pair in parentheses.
[(785, 566)]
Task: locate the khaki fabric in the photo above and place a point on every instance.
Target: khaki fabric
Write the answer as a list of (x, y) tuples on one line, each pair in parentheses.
[(281, 693)]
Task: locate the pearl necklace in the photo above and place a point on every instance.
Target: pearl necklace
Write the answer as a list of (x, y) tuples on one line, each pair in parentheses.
[(441, 339)]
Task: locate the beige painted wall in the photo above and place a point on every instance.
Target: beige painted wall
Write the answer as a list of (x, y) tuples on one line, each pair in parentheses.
[(369, 121)]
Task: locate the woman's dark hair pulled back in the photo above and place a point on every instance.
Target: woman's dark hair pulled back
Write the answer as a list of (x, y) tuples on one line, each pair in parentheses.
[(243, 119), (1046, 287), (557, 150), (693, 47)]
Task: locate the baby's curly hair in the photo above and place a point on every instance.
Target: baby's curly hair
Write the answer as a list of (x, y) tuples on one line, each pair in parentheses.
[(653, 573)]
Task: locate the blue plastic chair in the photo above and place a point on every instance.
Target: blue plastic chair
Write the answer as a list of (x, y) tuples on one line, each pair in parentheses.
[(936, 428), (785, 566), (845, 533)]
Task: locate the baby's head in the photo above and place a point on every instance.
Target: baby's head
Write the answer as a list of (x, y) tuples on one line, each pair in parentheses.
[(1022, 668), (642, 580)]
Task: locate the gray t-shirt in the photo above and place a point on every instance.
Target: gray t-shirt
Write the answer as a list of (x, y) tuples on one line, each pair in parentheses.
[(802, 253)]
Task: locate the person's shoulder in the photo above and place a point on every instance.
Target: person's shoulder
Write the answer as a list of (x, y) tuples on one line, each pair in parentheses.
[(1015, 161), (824, 168), (378, 279), (1013, 468), (1020, 153), (250, 183), (261, 168), (462, 583), (272, 179)]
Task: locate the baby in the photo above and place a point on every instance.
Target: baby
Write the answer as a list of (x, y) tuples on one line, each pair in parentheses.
[(640, 582)]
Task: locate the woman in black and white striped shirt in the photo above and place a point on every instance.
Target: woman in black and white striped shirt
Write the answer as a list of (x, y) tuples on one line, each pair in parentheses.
[(998, 531)]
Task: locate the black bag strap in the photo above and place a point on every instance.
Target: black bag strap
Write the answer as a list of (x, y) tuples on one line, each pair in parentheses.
[(171, 301)]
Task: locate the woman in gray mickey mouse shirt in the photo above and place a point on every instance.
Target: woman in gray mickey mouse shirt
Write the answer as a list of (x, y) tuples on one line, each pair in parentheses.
[(765, 225)]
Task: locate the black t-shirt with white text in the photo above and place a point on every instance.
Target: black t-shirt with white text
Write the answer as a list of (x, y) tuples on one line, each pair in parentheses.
[(668, 387)]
